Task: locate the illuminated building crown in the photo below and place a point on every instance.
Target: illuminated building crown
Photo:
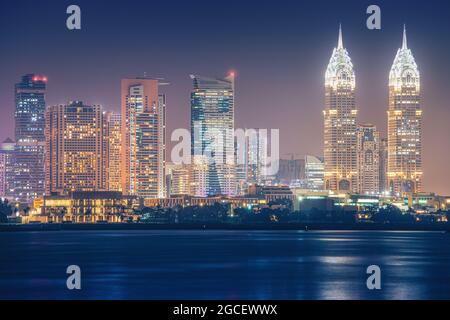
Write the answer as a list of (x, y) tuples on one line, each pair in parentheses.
[(340, 68), (404, 70)]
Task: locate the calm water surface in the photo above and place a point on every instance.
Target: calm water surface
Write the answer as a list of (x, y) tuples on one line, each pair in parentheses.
[(224, 264)]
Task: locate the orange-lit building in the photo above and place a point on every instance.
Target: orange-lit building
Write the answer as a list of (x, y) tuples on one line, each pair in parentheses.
[(340, 116), (143, 138), (114, 178), (368, 155), (404, 124), (76, 148)]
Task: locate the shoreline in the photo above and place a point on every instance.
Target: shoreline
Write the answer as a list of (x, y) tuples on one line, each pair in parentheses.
[(224, 227)]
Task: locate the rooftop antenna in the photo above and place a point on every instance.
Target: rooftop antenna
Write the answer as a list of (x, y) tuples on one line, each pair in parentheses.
[(340, 40), (405, 40)]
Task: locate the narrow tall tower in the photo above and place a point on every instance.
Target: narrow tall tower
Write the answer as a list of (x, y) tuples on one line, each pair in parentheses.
[(143, 138), (114, 125), (212, 127), (368, 154), (340, 122), (28, 160), (404, 124)]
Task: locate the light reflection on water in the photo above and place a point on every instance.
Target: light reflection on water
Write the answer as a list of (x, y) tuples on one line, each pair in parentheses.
[(225, 264)]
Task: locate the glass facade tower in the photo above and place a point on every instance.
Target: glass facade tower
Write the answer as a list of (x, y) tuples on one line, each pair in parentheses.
[(28, 178), (212, 131)]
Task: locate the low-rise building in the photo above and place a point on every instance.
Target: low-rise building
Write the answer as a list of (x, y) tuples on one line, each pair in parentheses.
[(84, 206), (191, 201)]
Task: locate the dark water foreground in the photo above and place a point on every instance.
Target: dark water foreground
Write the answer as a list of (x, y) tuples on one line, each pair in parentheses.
[(231, 265)]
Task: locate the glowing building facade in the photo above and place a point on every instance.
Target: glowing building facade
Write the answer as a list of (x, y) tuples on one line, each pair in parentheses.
[(256, 151), (143, 138), (340, 122), (28, 175), (368, 154), (114, 178), (76, 156), (180, 180), (404, 124), (212, 131), (6, 153), (251, 158), (314, 173), (383, 166)]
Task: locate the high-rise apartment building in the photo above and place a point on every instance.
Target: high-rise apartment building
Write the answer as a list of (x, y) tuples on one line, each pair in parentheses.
[(3, 166), (199, 176), (404, 124), (76, 156), (6, 153), (368, 154), (252, 147), (212, 128), (114, 136), (180, 180), (292, 171), (143, 138), (28, 175), (314, 173), (340, 122), (383, 166)]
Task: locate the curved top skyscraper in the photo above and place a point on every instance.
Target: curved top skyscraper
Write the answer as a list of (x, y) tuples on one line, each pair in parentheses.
[(340, 122), (212, 128), (404, 124)]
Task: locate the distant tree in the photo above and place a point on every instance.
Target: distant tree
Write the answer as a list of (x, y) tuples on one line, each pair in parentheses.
[(392, 214), (317, 215), (5, 211)]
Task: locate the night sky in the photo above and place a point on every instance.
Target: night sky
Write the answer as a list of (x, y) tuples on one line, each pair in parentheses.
[(279, 49)]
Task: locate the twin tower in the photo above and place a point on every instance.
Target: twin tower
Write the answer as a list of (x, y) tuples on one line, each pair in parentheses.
[(349, 166)]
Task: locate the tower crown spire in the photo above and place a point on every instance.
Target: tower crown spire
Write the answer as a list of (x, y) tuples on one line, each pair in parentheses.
[(404, 64), (340, 68), (405, 39), (340, 40)]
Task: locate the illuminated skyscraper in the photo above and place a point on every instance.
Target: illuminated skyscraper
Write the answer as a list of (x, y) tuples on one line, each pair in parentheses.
[(212, 127), (114, 123), (251, 163), (180, 182), (292, 171), (76, 148), (383, 166), (257, 148), (143, 138), (314, 173), (6, 153), (199, 176), (28, 178), (340, 122), (3, 166), (368, 153), (404, 124)]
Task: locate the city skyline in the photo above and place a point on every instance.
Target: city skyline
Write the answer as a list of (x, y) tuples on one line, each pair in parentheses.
[(435, 177), (142, 152), (194, 154)]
